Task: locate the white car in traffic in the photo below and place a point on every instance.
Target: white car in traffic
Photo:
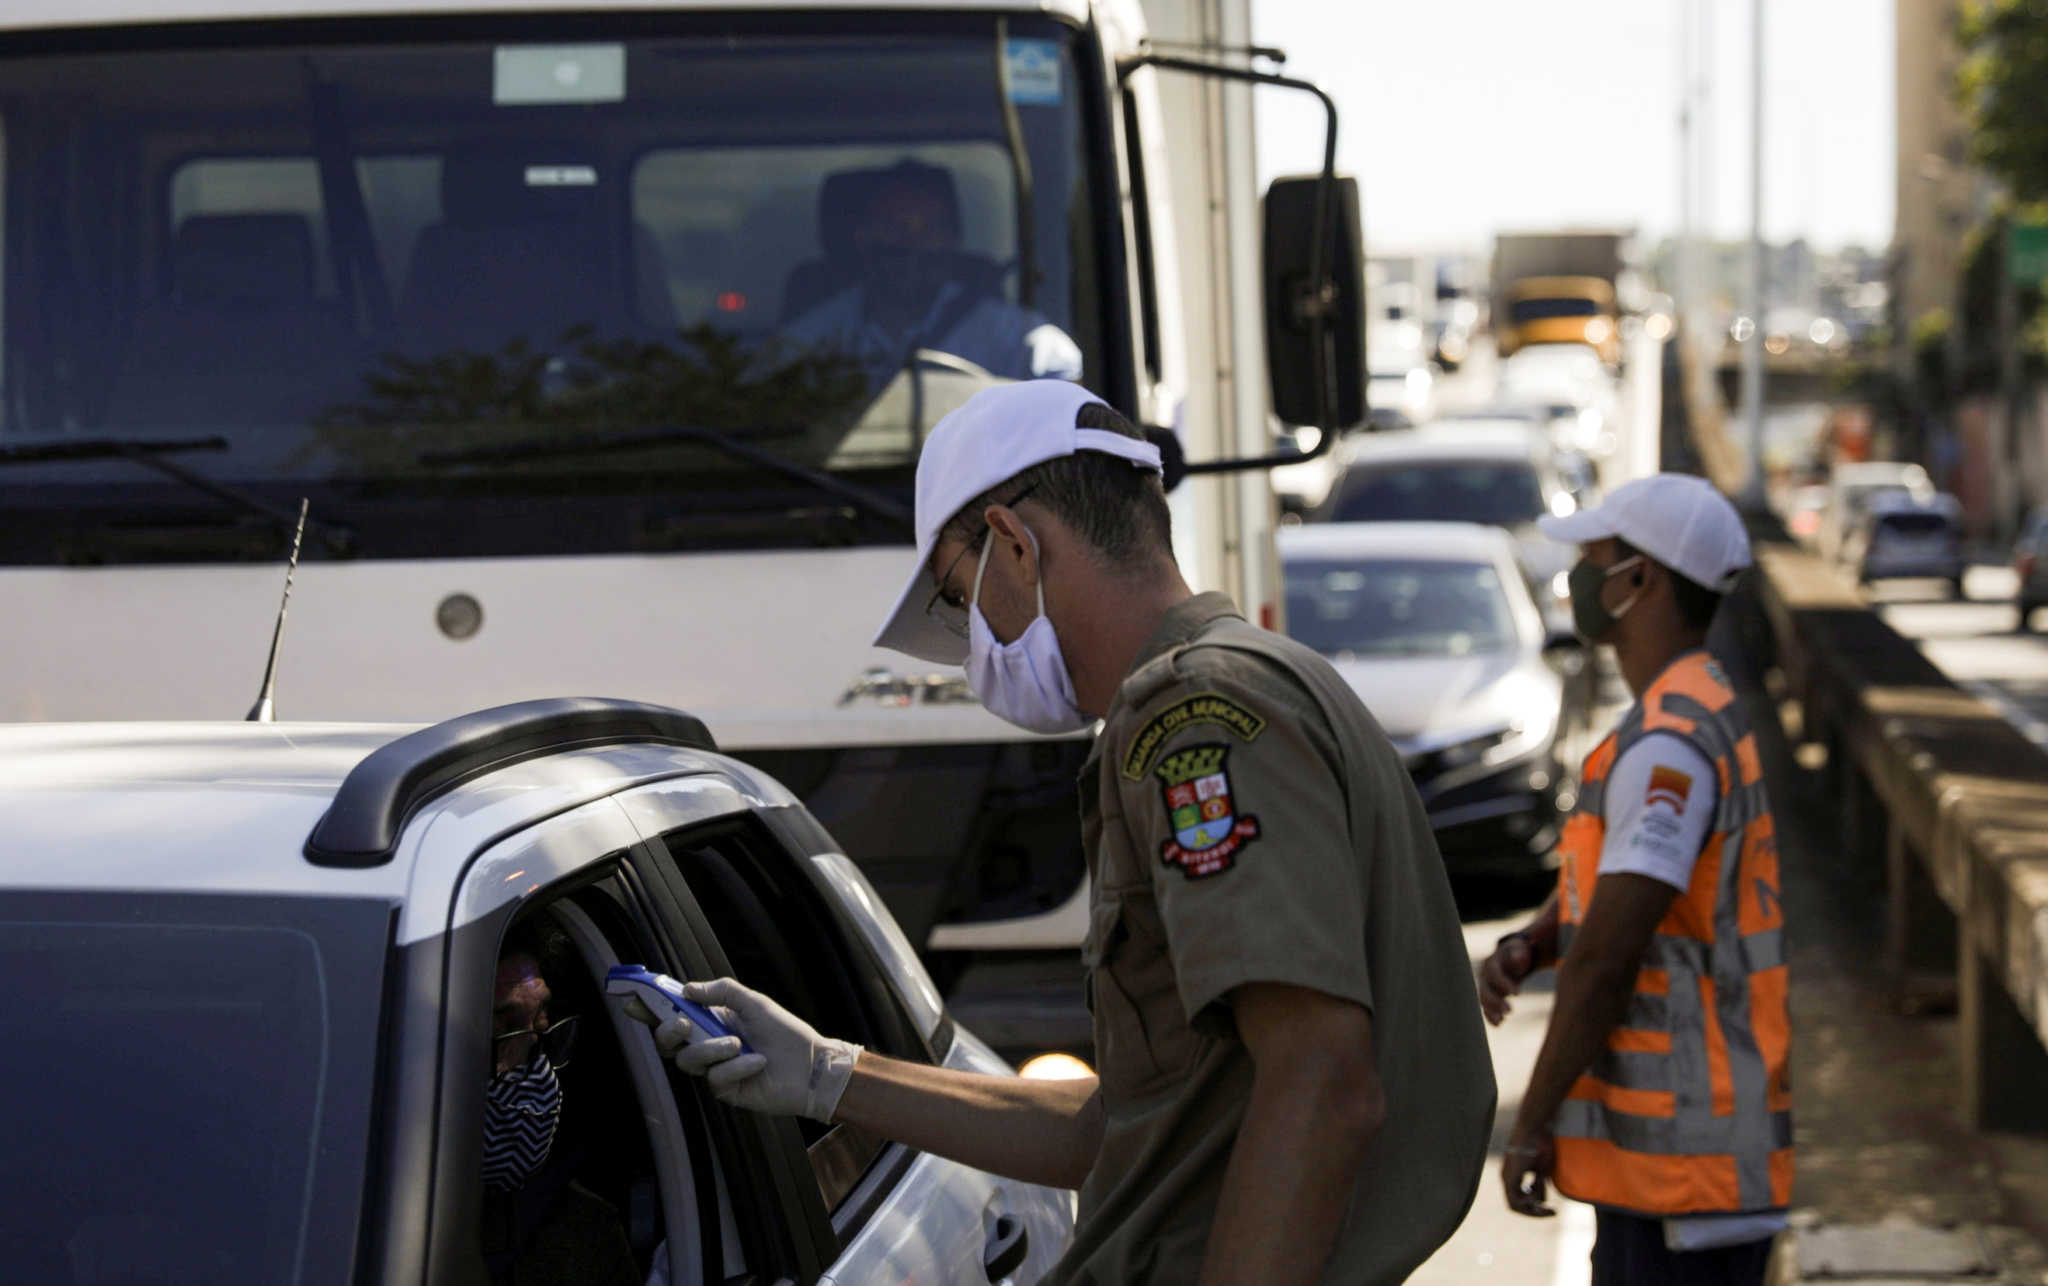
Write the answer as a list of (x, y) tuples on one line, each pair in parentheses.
[(254, 968)]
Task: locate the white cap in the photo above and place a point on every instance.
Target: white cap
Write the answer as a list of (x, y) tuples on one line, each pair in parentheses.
[(1675, 518), (994, 436)]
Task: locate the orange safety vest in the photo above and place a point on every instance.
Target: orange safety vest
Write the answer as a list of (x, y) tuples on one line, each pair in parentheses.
[(1689, 1108)]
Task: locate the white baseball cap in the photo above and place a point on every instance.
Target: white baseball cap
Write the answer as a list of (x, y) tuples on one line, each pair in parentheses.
[(994, 436), (1675, 518)]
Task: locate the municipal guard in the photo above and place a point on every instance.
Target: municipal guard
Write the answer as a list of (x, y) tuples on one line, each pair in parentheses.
[(1292, 1083), (1662, 1093)]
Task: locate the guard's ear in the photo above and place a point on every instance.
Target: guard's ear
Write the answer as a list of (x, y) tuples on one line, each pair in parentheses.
[(1006, 526)]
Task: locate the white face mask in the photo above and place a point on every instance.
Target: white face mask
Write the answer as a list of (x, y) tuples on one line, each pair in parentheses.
[(1025, 682)]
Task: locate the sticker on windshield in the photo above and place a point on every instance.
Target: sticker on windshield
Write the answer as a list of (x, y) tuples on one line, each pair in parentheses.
[(1032, 68), (526, 74)]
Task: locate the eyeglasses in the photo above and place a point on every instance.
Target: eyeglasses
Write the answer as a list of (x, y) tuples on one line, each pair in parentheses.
[(951, 611), (557, 1040)]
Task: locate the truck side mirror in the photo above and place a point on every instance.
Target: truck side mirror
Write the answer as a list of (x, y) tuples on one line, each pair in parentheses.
[(1294, 300), (1315, 283)]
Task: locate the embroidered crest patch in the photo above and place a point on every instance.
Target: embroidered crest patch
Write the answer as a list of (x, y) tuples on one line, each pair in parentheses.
[(1203, 707), (1207, 832)]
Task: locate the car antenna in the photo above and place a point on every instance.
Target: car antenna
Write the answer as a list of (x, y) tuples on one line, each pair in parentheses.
[(265, 709)]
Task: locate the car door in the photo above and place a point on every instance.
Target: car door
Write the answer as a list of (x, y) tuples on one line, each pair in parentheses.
[(766, 896)]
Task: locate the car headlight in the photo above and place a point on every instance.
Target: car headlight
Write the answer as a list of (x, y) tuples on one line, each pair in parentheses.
[(1504, 745), (1473, 750)]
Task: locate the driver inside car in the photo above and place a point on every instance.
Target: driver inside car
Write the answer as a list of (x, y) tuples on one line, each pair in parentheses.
[(917, 289), (539, 1226)]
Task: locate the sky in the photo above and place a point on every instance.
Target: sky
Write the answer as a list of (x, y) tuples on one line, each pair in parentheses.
[(1465, 117)]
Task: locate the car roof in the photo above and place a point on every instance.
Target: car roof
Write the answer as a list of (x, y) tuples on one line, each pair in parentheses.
[(1508, 441), (228, 807), (1504, 422), (1451, 542), (1876, 473)]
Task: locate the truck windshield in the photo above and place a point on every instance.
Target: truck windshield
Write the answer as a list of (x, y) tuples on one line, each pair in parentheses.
[(1528, 310), (188, 1082), (367, 265)]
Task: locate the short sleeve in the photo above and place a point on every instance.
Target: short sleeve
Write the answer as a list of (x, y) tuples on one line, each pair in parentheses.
[(1661, 796), (1231, 791)]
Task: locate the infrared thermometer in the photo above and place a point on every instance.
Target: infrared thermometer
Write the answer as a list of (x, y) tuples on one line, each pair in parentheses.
[(663, 996)]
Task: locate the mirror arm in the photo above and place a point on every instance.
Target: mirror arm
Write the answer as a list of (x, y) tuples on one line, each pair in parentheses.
[(1315, 302)]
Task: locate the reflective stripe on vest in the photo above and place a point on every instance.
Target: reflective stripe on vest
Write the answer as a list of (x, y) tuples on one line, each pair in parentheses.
[(1688, 1109)]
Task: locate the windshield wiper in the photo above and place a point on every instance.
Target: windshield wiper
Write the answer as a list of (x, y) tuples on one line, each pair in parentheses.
[(873, 502), (150, 453)]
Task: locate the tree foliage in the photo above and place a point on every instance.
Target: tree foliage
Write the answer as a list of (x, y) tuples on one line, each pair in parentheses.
[(2001, 84), (704, 378)]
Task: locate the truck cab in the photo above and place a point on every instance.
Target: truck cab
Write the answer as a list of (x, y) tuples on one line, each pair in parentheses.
[(1561, 310)]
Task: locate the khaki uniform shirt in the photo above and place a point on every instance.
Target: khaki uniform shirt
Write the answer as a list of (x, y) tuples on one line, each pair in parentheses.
[(1246, 820)]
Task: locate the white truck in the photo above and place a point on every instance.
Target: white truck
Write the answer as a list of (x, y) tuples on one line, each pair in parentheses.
[(601, 338)]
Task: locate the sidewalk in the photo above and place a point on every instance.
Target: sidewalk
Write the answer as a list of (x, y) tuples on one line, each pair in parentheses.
[(1876, 1122)]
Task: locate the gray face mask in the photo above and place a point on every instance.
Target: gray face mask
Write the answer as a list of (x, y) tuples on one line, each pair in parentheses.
[(1590, 616), (521, 1109)]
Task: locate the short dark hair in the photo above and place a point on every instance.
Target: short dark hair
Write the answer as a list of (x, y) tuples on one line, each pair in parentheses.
[(1117, 508), (1696, 603), (537, 938)]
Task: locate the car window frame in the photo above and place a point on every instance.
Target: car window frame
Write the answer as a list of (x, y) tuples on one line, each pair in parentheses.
[(836, 1217), (852, 1171), (762, 1151)]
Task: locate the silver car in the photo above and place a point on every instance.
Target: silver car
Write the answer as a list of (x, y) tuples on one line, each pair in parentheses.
[(1433, 627), (253, 975)]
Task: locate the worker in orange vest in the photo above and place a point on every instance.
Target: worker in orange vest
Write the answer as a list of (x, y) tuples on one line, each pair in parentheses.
[(1661, 1094)]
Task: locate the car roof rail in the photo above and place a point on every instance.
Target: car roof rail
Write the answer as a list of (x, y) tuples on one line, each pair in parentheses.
[(361, 826)]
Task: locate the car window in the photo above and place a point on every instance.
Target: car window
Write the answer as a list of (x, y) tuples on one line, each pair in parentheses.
[(781, 940), (1494, 492), (188, 1084), (1398, 607), (596, 1151), (1913, 524), (566, 1168)]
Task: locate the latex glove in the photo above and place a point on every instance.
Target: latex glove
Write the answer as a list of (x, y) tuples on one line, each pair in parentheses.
[(791, 1071)]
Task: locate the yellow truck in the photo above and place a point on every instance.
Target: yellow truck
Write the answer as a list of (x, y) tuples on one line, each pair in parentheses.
[(1560, 310)]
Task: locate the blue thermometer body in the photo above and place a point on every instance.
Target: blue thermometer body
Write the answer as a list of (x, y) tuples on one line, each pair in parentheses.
[(663, 995)]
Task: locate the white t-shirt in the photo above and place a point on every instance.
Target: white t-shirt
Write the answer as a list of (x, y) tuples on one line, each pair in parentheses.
[(1659, 809), (1661, 797)]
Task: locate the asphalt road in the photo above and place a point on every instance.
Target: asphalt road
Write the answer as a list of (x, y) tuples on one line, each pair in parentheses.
[(1975, 640), (1495, 1245)]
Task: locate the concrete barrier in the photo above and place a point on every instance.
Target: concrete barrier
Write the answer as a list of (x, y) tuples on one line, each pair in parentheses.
[(1937, 782)]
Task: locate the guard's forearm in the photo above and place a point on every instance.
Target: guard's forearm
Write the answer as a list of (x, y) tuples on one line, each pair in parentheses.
[(1033, 1131), (1542, 934), (1290, 1178), (1592, 996)]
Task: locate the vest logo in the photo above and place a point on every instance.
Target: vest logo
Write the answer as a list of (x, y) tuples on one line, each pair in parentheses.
[(1207, 832), (1668, 786)]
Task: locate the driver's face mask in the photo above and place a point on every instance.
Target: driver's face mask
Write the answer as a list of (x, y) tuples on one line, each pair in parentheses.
[(904, 279), (521, 1109)]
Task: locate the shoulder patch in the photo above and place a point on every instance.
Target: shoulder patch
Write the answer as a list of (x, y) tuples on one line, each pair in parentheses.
[(1669, 787), (1201, 708), (1207, 832)]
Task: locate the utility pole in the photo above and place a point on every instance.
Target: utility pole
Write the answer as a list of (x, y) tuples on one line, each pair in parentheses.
[(1682, 287), (1686, 286), (1756, 496)]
